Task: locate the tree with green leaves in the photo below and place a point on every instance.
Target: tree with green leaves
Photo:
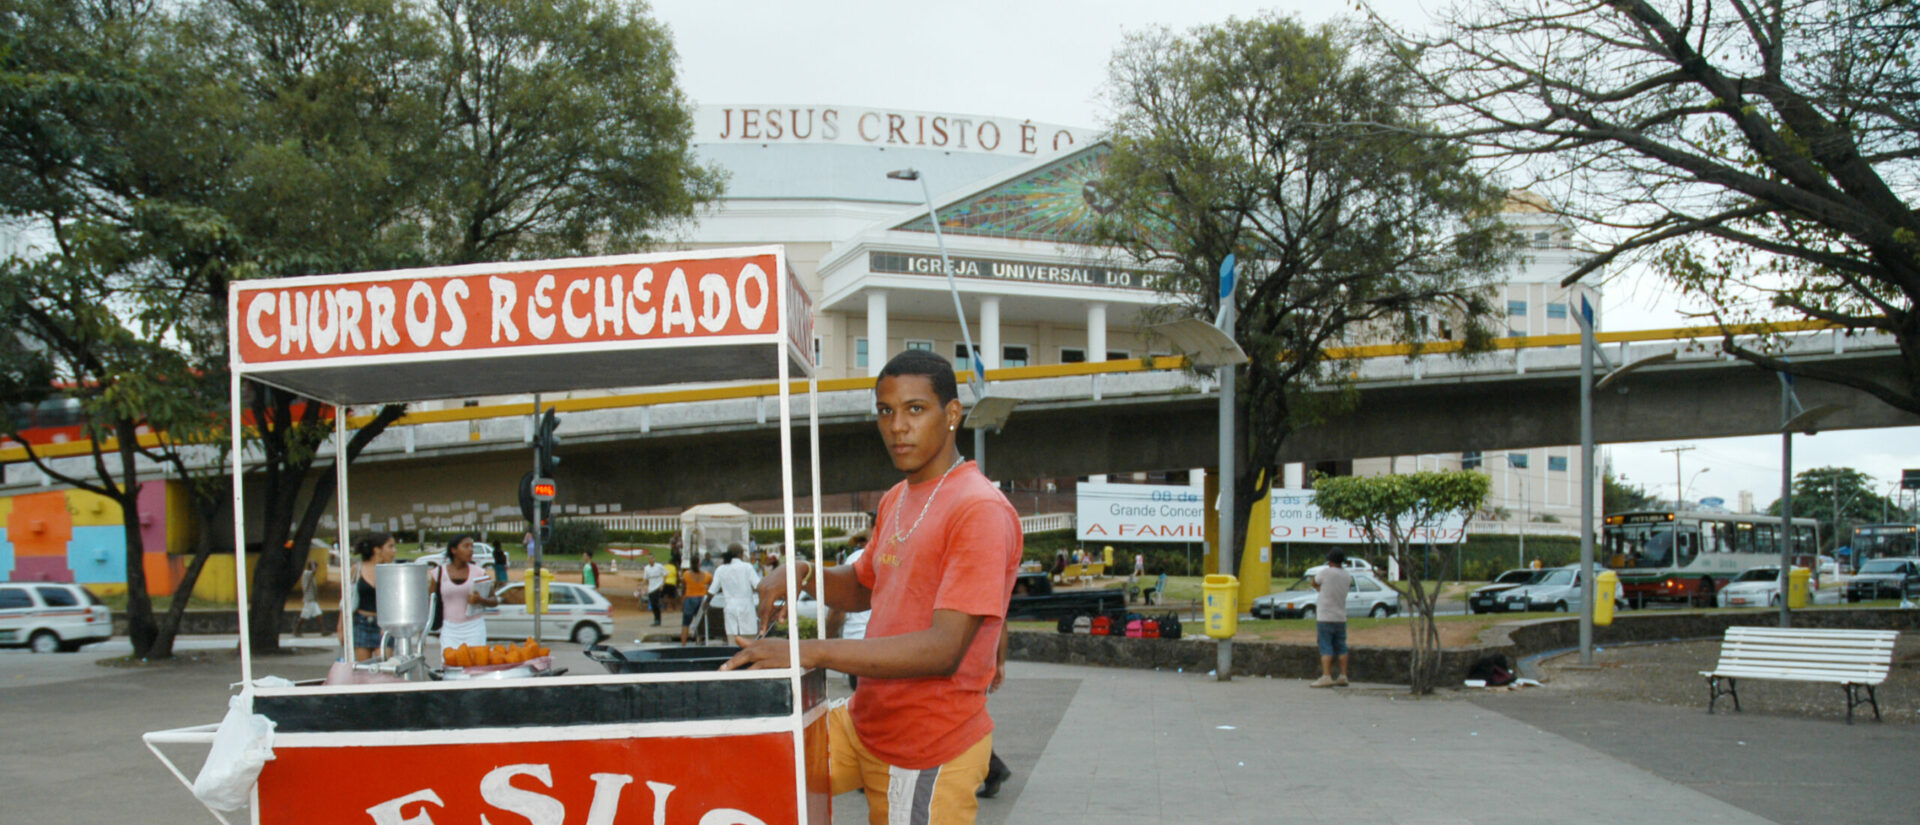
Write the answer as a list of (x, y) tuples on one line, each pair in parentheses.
[(1839, 497), (1619, 496), (566, 133), (451, 132), (1397, 510), (1299, 151), (1760, 155), (95, 317), (247, 138)]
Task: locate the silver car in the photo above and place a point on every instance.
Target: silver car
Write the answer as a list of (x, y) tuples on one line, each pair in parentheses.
[(1368, 597), (1556, 589), (1754, 587)]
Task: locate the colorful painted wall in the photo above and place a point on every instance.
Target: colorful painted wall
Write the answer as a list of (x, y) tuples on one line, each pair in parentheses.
[(76, 536)]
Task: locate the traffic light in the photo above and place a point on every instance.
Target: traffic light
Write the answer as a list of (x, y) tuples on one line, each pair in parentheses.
[(544, 441), (526, 497), (537, 488)]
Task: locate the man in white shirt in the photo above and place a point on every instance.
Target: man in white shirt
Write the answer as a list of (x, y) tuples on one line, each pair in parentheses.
[(655, 576), (844, 625), (1330, 615), (737, 581)]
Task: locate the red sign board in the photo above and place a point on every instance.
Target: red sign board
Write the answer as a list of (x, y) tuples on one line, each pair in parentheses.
[(506, 306), (742, 779)]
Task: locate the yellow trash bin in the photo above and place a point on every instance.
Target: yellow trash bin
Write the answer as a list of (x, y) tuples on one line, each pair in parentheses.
[(1797, 581), (1603, 587), (541, 592), (1223, 605)]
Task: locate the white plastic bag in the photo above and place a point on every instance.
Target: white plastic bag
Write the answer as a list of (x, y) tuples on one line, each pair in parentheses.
[(241, 747)]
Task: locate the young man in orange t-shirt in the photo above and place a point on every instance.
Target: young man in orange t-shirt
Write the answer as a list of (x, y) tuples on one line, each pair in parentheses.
[(937, 576)]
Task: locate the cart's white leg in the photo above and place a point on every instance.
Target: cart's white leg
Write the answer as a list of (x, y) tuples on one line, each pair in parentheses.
[(196, 735)]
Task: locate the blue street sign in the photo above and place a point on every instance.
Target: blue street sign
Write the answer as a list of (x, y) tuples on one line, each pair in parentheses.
[(1226, 277)]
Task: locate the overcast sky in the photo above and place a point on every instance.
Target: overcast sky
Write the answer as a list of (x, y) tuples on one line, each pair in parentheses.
[(1046, 60)]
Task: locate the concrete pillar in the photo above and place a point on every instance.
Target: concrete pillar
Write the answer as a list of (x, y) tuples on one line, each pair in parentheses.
[(876, 331), (1096, 332), (990, 331)]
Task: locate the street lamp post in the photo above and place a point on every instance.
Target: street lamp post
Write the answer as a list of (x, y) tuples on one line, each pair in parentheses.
[(1787, 403), (1526, 505), (1211, 346), (1793, 417), (986, 414), (1691, 481)]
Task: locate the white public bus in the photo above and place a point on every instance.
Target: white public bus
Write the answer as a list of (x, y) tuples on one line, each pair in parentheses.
[(1664, 555)]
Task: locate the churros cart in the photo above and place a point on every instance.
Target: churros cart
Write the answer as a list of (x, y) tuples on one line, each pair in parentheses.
[(709, 748)]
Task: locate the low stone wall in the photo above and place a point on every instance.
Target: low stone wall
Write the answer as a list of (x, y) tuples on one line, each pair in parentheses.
[(1387, 664), (227, 622)]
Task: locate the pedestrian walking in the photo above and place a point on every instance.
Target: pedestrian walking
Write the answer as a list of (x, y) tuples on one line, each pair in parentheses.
[(309, 600), (653, 579)]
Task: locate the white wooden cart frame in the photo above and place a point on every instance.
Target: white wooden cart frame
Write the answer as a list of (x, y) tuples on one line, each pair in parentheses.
[(406, 370)]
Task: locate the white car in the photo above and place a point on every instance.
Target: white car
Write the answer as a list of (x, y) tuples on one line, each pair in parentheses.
[(1755, 587), (52, 616), (1368, 597), (1355, 566), (1556, 589), (575, 612), (482, 555)]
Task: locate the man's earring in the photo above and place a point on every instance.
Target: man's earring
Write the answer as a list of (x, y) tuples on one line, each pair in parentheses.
[(952, 427)]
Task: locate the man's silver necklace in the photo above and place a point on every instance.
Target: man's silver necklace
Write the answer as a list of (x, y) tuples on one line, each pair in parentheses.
[(901, 538)]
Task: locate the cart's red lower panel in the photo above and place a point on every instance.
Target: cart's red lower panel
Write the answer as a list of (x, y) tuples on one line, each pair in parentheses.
[(744, 779)]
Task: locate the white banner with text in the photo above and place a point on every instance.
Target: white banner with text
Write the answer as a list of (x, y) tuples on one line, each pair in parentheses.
[(1177, 513)]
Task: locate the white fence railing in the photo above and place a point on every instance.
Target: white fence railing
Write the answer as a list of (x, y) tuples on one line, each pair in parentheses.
[(848, 523), (803, 522), (1045, 522), (1479, 527)]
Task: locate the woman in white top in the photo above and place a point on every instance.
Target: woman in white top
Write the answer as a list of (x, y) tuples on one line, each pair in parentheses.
[(464, 588)]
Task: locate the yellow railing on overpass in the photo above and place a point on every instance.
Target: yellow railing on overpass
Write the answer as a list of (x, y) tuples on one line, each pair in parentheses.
[(1130, 365)]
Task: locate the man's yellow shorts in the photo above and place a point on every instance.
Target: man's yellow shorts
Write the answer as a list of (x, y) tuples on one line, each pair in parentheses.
[(896, 796)]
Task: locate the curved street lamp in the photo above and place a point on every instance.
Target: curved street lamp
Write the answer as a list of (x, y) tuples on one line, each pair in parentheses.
[(986, 413)]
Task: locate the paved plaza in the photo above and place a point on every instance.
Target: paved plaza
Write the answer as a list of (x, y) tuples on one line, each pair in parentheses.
[(1103, 745)]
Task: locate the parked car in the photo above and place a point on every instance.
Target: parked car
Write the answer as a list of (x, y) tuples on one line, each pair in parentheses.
[(1487, 598), (482, 555), (1891, 578), (1367, 598), (49, 616), (576, 612), (1754, 587), (1353, 565), (1556, 589)]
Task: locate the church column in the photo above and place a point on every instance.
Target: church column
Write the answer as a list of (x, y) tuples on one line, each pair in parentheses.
[(1096, 332), (990, 331), (876, 331)]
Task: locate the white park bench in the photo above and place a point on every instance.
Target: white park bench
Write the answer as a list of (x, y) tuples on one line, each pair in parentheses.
[(1852, 659)]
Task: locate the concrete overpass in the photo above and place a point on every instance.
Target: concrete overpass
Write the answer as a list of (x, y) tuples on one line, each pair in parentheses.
[(674, 448), (678, 447)]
